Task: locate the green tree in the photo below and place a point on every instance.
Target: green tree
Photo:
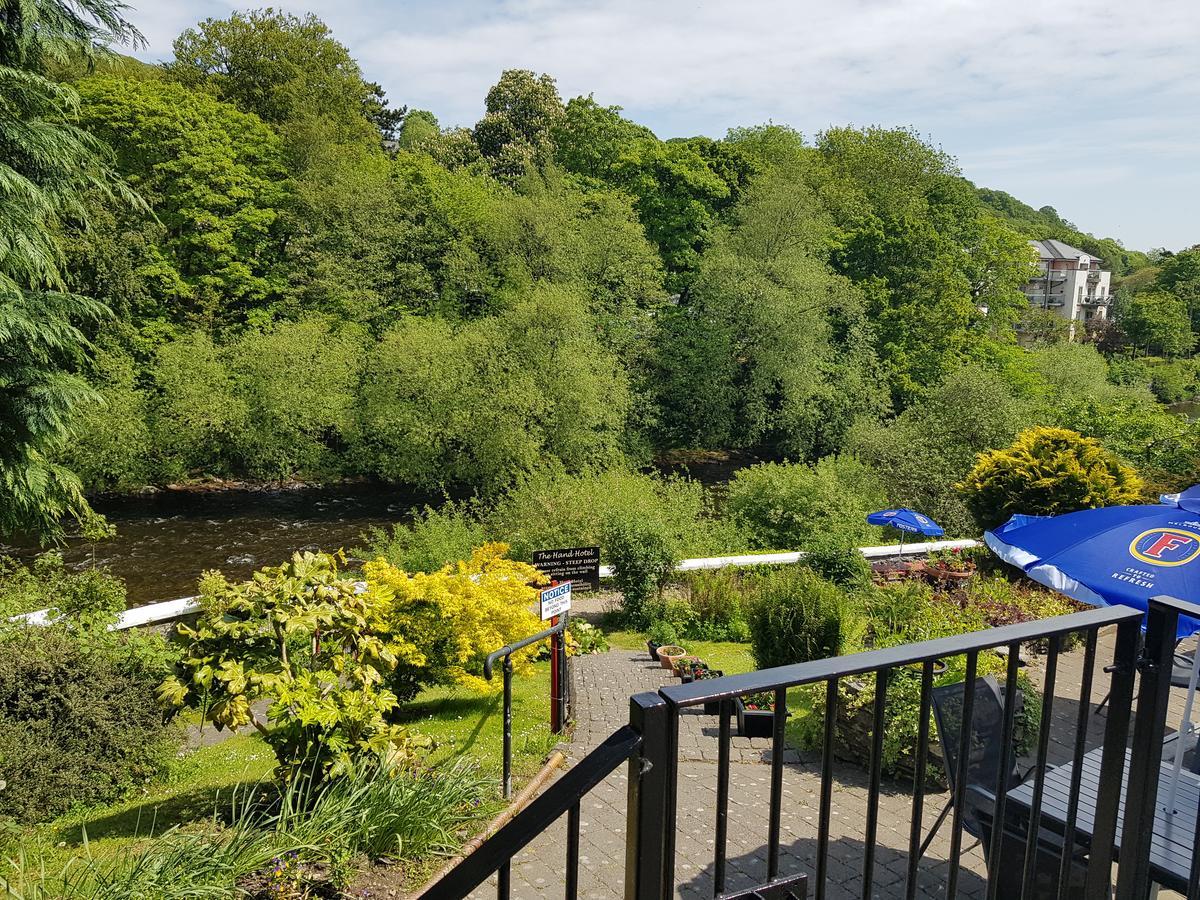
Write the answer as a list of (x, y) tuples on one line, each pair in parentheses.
[(590, 138), (781, 506), (297, 382), (215, 179), (1158, 322), (515, 132), (770, 351), (195, 414), (924, 451), (1180, 274), (287, 70), (419, 126), (1047, 471), (915, 236), (479, 404), (47, 168)]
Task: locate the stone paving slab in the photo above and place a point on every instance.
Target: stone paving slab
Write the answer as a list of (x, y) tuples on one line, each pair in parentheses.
[(602, 686)]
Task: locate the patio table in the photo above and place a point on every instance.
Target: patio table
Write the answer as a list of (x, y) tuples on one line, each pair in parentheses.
[(1173, 835)]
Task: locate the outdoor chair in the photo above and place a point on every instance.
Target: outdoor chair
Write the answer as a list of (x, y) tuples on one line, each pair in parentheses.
[(982, 774), (987, 727)]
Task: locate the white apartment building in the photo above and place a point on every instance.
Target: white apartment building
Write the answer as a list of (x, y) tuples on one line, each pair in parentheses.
[(1071, 283)]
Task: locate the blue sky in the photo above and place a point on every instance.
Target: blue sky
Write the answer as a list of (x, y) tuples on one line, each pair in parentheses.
[(1090, 106)]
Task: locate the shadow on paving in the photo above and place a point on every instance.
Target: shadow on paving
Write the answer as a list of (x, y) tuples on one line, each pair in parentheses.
[(844, 872)]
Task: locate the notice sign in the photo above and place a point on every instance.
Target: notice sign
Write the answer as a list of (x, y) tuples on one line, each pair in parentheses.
[(578, 565), (555, 600)]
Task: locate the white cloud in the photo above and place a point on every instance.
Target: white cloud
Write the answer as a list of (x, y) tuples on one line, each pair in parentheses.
[(1072, 94)]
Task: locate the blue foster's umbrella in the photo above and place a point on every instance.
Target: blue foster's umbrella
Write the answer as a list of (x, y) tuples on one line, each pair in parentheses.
[(907, 521), (1117, 555), (1114, 555)]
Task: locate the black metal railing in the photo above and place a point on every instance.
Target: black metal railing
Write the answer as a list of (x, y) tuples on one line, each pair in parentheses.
[(559, 691), (651, 739)]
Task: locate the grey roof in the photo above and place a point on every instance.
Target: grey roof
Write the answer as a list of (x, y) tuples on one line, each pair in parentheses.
[(1055, 249)]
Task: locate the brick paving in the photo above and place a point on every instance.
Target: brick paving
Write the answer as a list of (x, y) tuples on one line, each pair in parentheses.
[(602, 685)]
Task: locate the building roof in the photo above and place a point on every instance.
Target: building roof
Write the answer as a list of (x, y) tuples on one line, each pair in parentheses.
[(1055, 249)]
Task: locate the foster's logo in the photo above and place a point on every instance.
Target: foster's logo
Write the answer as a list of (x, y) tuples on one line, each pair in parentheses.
[(1166, 546)]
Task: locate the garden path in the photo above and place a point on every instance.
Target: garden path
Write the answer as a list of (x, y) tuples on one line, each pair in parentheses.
[(603, 684)]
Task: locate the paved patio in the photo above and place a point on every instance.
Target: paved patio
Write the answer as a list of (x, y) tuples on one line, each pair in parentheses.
[(603, 684)]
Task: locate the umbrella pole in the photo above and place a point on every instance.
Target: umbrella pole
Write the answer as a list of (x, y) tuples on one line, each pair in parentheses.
[(1185, 729)]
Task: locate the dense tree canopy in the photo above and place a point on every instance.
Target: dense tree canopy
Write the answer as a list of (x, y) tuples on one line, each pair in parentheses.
[(315, 284)]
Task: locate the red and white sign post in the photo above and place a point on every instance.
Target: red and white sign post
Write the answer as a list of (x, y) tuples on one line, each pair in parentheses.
[(556, 602)]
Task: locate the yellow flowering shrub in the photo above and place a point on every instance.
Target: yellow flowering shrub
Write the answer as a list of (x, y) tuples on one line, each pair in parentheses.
[(441, 626)]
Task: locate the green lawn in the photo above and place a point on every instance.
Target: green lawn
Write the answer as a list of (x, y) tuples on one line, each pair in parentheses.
[(461, 722), (731, 658), (193, 789)]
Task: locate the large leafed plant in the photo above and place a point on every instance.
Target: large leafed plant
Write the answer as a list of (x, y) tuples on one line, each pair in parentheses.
[(306, 638)]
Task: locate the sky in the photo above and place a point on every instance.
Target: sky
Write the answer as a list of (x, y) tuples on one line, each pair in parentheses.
[(1089, 106)]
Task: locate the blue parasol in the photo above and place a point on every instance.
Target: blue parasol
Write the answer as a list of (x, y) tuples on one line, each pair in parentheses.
[(905, 520), (1117, 555)]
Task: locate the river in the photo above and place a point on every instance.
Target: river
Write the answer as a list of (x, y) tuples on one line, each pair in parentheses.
[(165, 540)]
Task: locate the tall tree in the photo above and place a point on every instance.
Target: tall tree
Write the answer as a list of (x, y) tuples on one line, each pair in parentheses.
[(515, 133), (216, 180), (46, 169), (915, 236), (289, 71)]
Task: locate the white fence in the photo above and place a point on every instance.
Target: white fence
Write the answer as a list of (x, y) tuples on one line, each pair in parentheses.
[(170, 610)]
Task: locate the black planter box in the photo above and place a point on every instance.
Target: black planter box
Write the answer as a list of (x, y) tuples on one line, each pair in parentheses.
[(755, 722), (653, 648)]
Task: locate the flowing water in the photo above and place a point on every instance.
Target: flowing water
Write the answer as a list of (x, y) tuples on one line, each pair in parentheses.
[(167, 539)]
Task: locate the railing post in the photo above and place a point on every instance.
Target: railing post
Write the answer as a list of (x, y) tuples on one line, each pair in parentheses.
[(1145, 753), (1112, 761), (649, 833), (508, 673)]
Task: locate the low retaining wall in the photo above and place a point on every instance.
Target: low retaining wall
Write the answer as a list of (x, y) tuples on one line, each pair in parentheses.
[(171, 610)]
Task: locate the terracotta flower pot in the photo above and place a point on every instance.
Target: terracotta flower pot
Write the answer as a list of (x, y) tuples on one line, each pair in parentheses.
[(668, 654)]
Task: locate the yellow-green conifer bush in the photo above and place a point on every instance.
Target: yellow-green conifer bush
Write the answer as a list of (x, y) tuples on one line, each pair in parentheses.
[(1047, 471)]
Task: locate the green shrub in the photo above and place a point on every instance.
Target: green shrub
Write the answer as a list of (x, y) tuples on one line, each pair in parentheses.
[(644, 556), (88, 597), (1047, 471), (302, 635), (662, 631), (434, 538), (718, 601), (79, 719), (302, 843), (923, 452), (895, 609), (843, 564), (551, 508), (583, 638), (780, 506), (796, 616)]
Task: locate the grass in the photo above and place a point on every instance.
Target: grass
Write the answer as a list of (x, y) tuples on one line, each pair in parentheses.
[(463, 724), (730, 657)]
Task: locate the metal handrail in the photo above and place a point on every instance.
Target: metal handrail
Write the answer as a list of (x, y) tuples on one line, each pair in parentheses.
[(562, 796), (506, 652), (783, 677), (510, 649)]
